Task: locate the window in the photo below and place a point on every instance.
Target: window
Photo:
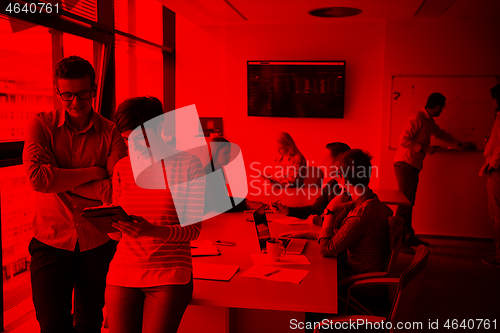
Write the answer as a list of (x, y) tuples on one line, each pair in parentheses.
[(142, 19), (139, 70), (25, 78), (75, 45), (26, 88), (83, 8), (27, 58), (139, 66), (26, 73), (17, 200)]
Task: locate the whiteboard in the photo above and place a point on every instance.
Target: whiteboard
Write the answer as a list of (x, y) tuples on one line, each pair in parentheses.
[(469, 111)]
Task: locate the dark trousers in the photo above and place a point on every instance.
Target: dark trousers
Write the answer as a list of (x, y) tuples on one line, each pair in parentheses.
[(407, 177), (493, 190), (55, 273)]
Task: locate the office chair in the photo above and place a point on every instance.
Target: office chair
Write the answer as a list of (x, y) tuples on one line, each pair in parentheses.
[(396, 234), (407, 288)]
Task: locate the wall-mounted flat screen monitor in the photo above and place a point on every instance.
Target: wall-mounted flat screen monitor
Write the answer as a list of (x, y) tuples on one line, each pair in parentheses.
[(307, 89)]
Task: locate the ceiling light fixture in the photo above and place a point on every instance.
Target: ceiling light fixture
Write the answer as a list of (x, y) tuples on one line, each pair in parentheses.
[(335, 12)]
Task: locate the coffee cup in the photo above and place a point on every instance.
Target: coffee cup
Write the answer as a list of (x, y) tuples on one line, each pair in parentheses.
[(275, 249)]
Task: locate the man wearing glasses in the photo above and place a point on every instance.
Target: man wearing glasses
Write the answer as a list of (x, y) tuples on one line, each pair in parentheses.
[(69, 155)]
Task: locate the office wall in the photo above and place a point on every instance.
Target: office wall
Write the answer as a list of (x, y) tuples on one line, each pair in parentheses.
[(211, 72), (200, 68), (451, 199)]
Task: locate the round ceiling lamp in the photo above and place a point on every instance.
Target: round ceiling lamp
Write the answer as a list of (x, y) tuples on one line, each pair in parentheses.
[(335, 12)]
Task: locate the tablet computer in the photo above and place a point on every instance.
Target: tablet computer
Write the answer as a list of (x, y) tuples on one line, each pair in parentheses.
[(103, 217)]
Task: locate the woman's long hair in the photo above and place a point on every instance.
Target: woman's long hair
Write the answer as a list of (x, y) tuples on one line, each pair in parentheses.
[(286, 140)]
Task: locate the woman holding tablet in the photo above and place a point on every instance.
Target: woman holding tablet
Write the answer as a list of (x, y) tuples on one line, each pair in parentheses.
[(150, 281)]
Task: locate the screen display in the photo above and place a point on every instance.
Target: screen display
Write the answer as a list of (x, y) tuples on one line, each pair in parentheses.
[(313, 89)]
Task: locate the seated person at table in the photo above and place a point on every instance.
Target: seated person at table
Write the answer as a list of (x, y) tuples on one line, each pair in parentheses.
[(288, 163), (216, 189), (361, 227), (330, 188), (341, 196)]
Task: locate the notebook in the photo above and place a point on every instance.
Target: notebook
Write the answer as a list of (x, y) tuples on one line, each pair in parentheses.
[(214, 271), (292, 245)]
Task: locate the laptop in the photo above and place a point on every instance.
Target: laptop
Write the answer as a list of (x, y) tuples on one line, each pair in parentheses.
[(292, 245)]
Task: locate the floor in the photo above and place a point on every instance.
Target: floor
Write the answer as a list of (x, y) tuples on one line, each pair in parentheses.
[(457, 286)]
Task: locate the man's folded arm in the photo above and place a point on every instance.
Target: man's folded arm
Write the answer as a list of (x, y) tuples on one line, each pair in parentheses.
[(48, 177), (88, 191), (102, 189)]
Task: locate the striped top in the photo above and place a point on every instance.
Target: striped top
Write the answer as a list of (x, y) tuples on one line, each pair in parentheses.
[(148, 261)]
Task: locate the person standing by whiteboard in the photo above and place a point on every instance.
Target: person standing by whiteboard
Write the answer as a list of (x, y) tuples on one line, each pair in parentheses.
[(491, 169), (414, 144)]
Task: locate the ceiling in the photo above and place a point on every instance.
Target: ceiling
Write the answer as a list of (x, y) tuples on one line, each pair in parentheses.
[(224, 12)]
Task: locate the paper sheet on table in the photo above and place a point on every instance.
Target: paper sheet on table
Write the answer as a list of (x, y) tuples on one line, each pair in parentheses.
[(284, 274), (263, 259), (203, 248), (290, 220), (214, 271)]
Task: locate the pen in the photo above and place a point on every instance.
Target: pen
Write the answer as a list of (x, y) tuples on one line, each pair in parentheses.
[(224, 243), (271, 273)]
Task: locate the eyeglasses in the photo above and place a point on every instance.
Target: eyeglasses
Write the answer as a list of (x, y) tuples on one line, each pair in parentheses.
[(82, 95)]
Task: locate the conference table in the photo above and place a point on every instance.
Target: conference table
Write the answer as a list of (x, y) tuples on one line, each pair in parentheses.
[(234, 306), (246, 304)]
